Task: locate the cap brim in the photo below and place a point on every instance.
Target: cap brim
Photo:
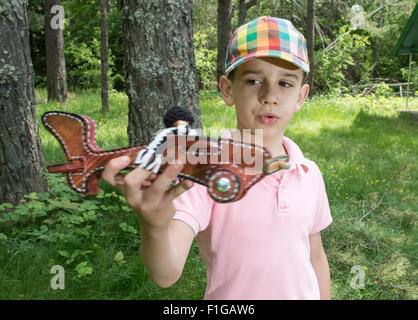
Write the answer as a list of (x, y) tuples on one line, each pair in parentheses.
[(271, 53)]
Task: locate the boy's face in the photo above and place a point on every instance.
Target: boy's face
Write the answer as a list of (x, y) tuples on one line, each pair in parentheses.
[(266, 93)]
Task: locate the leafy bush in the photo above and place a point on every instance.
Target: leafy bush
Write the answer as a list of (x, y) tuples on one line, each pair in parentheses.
[(119, 83), (383, 90), (331, 62), (205, 60), (83, 65), (58, 216)]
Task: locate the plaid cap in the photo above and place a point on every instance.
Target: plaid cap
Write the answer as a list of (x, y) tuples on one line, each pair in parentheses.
[(267, 37)]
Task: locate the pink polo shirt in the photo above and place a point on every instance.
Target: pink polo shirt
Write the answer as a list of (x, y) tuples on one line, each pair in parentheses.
[(258, 247)]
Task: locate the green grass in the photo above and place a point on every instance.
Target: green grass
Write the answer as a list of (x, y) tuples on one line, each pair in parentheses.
[(367, 155)]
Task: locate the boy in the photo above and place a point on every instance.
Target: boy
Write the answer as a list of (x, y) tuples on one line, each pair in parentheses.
[(268, 244)]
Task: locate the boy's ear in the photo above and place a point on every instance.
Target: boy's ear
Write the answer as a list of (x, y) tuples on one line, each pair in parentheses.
[(225, 85), (303, 94)]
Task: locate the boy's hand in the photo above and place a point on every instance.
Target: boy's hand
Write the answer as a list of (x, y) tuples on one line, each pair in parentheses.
[(146, 192)]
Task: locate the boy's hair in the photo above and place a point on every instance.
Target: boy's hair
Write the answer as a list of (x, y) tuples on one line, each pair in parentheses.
[(267, 37)]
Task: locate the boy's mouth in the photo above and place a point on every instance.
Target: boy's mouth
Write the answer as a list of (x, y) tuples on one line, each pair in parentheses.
[(267, 118)]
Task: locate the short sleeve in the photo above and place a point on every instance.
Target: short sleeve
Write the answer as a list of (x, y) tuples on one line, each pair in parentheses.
[(323, 216), (194, 207)]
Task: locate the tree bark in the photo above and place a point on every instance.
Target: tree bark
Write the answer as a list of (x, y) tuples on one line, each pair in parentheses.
[(54, 48), (21, 156), (160, 68), (104, 55), (310, 33), (224, 34)]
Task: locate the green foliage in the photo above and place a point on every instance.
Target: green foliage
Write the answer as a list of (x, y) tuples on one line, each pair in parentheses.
[(205, 59), (119, 83), (83, 270), (336, 58), (83, 63), (81, 43), (51, 217), (383, 90)]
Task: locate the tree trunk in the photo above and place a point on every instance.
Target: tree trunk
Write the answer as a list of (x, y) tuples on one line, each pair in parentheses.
[(104, 56), (160, 68), (310, 32), (243, 7), (224, 34), (21, 156), (56, 80)]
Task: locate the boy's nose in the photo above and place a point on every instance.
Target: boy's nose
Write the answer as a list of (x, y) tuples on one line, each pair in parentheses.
[(269, 95)]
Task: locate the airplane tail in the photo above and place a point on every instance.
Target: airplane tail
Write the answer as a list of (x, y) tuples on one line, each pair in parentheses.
[(85, 159)]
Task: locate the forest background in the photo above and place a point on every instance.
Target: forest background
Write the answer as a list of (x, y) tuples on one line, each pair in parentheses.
[(347, 60)]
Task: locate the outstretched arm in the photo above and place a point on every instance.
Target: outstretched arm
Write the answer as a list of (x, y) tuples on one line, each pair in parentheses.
[(165, 243)]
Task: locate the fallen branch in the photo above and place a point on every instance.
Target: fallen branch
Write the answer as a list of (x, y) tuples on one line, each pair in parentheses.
[(377, 84), (384, 193)]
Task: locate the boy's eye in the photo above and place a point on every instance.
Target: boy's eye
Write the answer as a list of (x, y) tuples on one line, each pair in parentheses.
[(253, 82), (285, 84)]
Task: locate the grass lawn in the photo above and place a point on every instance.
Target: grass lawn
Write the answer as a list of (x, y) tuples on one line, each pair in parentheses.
[(367, 155)]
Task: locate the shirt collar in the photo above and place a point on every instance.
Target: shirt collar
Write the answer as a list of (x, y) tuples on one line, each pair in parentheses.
[(296, 158)]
